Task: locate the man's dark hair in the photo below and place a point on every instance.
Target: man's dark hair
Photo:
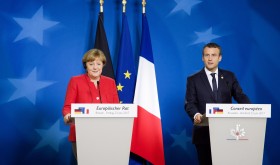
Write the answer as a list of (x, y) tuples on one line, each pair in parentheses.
[(212, 45)]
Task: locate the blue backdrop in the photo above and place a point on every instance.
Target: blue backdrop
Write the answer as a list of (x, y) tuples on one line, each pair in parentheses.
[(42, 43)]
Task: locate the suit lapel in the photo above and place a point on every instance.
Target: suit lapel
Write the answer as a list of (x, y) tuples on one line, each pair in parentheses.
[(206, 83), (223, 86)]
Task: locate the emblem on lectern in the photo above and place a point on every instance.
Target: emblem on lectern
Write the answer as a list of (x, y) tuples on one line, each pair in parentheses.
[(238, 133), (81, 110)]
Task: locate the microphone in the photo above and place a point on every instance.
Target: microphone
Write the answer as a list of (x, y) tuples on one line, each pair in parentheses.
[(99, 91)]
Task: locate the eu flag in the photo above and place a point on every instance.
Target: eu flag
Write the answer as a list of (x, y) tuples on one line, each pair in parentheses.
[(126, 74)]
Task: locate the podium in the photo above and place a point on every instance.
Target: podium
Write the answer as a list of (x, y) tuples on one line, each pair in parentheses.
[(103, 132), (237, 132)]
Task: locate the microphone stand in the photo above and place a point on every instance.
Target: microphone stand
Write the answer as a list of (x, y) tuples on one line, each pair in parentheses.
[(99, 91)]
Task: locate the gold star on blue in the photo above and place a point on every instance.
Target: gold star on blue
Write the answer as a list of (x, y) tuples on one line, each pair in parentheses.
[(127, 74), (120, 87)]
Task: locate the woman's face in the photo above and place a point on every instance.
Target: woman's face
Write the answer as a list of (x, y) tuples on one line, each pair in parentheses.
[(94, 68)]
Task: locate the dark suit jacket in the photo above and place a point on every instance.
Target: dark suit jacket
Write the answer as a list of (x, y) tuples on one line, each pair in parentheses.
[(199, 93), (82, 90)]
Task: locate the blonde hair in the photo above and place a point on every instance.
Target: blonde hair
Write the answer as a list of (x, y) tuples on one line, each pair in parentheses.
[(93, 54)]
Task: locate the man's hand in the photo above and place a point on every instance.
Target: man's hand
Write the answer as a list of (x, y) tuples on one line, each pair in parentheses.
[(197, 118)]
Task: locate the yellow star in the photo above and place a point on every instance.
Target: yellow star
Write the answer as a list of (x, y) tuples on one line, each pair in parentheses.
[(127, 74), (120, 87)]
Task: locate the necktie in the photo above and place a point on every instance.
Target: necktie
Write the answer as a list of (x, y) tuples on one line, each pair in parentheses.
[(215, 88)]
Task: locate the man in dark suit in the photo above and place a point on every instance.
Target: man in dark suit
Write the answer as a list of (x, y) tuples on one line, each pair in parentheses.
[(210, 85)]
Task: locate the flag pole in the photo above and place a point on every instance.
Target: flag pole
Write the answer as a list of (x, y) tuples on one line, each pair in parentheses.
[(101, 5), (101, 43), (143, 6), (124, 3), (144, 162)]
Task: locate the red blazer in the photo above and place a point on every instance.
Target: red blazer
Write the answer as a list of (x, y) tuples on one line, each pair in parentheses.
[(82, 90)]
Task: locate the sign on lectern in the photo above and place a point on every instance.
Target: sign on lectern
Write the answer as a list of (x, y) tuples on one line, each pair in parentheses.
[(237, 132), (103, 132)]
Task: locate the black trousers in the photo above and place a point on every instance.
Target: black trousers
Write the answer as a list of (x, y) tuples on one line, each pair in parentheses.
[(204, 154), (74, 149)]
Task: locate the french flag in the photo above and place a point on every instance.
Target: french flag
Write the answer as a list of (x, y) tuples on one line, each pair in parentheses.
[(147, 140)]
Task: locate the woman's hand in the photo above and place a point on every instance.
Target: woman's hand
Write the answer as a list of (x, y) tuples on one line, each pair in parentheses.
[(67, 118)]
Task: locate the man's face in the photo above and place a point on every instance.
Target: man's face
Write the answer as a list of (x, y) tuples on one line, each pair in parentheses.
[(211, 58)]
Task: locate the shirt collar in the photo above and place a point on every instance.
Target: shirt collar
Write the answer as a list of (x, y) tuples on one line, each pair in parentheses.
[(209, 72)]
